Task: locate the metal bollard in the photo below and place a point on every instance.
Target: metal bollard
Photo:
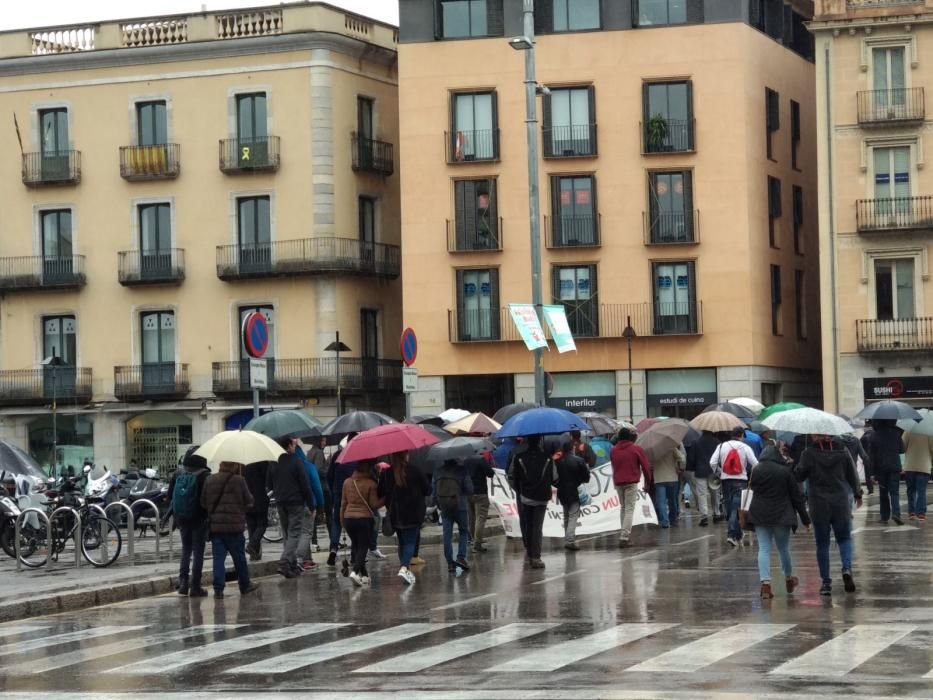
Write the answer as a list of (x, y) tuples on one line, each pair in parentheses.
[(77, 532), (155, 509), (18, 528), (130, 527)]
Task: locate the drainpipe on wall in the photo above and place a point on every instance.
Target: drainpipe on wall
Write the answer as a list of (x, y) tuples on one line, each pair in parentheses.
[(832, 225)]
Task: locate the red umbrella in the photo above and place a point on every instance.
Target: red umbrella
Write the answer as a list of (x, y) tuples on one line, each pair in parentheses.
[(384, 440)]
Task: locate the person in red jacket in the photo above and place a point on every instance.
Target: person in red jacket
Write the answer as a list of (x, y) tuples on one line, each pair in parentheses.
[(629, 462)]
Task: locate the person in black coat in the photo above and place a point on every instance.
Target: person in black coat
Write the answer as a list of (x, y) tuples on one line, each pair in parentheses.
[(257, 516), (885, 445), (479, 467), (572, 472), (404, 489), (699, 475), (531, 476), (775, 507)]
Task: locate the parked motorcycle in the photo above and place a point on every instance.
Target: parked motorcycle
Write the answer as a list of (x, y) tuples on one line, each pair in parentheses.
[(9, 512), (101, 487), (151, 487)]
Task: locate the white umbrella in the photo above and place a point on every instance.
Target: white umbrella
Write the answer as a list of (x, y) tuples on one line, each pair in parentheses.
[(716, 422), (452, 414), (807, 421), (751, 404), (243, 446), (924, 427)]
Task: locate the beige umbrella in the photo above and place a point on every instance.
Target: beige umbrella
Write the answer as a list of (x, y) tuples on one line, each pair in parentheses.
[(473, 423), (717, 422), (243, 446)]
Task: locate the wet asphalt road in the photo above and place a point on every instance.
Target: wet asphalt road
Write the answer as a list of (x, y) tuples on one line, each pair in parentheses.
[(678, 616)]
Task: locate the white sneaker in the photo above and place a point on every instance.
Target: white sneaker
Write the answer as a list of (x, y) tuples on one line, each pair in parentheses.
[(377, 554), (732, 541), (355, 577), (406, 575), (315, 548), (365, 580)]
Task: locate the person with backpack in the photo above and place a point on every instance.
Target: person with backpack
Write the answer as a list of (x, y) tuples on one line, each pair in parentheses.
[(358, 505), (404, 489), (451, 487), (629, 464), (531, 476), (480, 470), (572, 472), (184, 493), (226, 498), (732, 461)]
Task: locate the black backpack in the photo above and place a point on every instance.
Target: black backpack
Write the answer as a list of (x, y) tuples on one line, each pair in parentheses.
[(448, 490)]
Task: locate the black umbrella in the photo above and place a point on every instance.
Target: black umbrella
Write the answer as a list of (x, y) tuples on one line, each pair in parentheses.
[(282, 424), (353, 422), (426, 419), (512, 409), (889, 410), (420, 457), (736, 409), (458, 448), (14, 461), (600, 424)]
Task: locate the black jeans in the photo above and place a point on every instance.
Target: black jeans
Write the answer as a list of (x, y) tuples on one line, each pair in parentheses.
[(256, 524), (193, 538), (534, 523), (360, 530)]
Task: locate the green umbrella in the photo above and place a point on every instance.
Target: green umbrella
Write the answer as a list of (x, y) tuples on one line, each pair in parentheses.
[(290, 423), (778, 407)]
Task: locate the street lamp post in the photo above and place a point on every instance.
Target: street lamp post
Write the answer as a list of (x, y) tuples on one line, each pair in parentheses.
[(337, 347), (54, 361), (526, 43), (628, 334)]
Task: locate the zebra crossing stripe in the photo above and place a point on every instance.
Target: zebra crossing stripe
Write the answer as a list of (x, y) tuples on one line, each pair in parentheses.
[(187, 657), (710, 649), (560, 655), (20, 629), (420, 660), (105, 650), (54, 640), (846, 652), (343, 647)]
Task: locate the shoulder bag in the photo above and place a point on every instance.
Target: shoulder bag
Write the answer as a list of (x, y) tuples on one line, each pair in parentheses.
[(745, 504)]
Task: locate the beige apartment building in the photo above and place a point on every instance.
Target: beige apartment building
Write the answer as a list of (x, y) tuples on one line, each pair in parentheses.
[(678, 195), (874, 60), (167, 176)]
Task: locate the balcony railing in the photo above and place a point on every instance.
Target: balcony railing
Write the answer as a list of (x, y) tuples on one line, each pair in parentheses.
[(671, 227), (897, 213), (150, 381), (63, 384), (471, 146), (588, 319), (136, 267), (573, 141), (157, 162), (311, 376), (372, 156), (894, 106), (308, 256), (576, 231), (869, 4), (668, 136), (877, 335), (249, 155), (51, 168), (462, 240), (38, 272)]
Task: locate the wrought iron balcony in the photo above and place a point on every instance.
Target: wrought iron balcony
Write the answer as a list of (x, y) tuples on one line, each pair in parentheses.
[(51, 168), (136, 267), (150, 381), (671, 227), (894, 214), (36, 272), (461, 239), (311, 376), (894, 106), (577, 231), (472, 146), (158, 162), (249, 155), (573, 141), (660, 135), (895, 334), (308, 256), (370, 155), (62, 384)]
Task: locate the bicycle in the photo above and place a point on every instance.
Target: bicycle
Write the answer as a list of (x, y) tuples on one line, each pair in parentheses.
[(101, 540), (273, 531)]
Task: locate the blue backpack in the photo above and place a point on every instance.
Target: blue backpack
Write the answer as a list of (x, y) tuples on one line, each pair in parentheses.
[(185, 497)]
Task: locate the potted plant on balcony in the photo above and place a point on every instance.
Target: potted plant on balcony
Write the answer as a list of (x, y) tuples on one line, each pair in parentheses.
[(657, 131)]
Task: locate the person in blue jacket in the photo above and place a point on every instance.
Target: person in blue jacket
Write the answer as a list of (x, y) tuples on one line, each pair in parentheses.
[(307, 524)]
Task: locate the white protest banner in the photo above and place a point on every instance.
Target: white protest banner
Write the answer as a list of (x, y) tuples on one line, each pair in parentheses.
[(601, 514), (528, 325), (556, 320)]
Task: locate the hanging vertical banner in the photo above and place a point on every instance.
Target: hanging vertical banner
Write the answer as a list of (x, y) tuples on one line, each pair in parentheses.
[(529, 327), (560, 330)]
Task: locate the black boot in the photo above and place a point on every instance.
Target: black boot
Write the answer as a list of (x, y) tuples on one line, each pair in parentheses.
[(182, 586)]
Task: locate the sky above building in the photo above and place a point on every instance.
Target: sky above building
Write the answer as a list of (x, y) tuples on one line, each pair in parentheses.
[(41, 13)]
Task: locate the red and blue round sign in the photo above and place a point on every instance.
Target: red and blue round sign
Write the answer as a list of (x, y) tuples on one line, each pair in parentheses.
[(255, 334), (409, 347)]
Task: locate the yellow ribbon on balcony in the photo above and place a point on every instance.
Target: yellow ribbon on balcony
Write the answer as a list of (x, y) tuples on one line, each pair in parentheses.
[(149, 160)]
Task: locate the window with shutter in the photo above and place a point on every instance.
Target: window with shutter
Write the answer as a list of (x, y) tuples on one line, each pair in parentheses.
[(476, 219), (575, 218), (478, 304), (794, 133), (800, 305), (772, 118), (774, 209), (575, 288), (798, 219), (776, 300), (670, 207)]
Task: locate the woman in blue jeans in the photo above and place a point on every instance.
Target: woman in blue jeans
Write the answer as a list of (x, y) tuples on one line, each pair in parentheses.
[(404, 489), (774, 509)]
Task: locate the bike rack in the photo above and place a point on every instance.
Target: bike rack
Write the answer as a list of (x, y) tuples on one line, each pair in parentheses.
[(19, 525), (103, 514), (77, 533), (130, 527), (158, 527)]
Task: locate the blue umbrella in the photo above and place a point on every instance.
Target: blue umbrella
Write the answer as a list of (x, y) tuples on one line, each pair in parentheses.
[(541, 421)]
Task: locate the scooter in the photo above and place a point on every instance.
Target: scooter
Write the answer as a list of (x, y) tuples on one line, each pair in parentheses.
[(9, 512), (103, 488), (150, 487)]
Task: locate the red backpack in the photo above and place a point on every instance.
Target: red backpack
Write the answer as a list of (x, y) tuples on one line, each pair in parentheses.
[(732, 465)]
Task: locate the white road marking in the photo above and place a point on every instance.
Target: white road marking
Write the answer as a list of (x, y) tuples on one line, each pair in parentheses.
[(466, 601), (565, 653), (342, 647), (20, 629), (454, 649), (846, 652), (187, 657), (710, 649), (54, 640), (695, 539), (559, 576)]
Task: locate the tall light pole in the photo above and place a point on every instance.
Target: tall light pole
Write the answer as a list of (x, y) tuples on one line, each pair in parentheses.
[(628, 334), (526, 43), (54, 361), (337, 347)]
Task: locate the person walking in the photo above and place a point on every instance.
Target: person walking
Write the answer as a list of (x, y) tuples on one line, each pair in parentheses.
[(572, 472), (699, 473), (358, 505), (732, 461), (532, 475), (336, 475), (304, 559), (451, 487), (480, 470), (257, 515), (226, 498), (829, 470), (404, 489), (317, 457), (885, 447), (288, 481), (629, 465), (667, 472), (775, 507), (582, 449), (918, 459), (184, 493)]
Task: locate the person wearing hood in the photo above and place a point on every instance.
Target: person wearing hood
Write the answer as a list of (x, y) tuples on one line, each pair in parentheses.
[(775, 507), (226, 498), (572, 473), (885, 447), (830, 471), (184, 493), (629, 464)]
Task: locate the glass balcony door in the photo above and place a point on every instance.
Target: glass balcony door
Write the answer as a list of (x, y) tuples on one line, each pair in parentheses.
[(474, 125), (254, 228), (59, 340), (158, 352), (155, 241), (892, 181), (55, 144), (57, 247), (252, 130), (888, 81), (576, 290), (674, 303), (478, 307)]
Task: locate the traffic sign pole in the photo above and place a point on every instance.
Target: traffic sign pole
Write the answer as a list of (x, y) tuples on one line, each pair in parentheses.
[(256, 341), (408, 348)]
